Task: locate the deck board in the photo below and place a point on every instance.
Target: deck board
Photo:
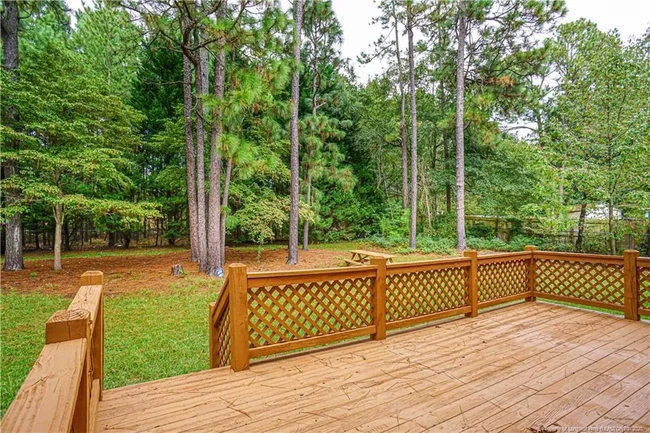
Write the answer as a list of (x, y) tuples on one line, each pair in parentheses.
[(509, 369)]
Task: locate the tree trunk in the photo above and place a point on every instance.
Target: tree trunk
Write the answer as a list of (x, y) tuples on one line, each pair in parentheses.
[(414, 133), (580, 239), (224, 207), (214, 199), (405, 168), (66, 236), (292, 258), (310, 155), (305, 232), (445, 149), (14, 226), (200, 77), (190, 155), (58, 228), (460, 129), (610, 226)]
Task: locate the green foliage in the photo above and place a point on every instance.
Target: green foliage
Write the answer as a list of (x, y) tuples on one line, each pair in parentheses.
[(260, 219)]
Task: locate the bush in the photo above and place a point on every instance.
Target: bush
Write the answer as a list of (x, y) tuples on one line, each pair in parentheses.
[(480, 230), (433, 245), (494, 244), (519, 242)]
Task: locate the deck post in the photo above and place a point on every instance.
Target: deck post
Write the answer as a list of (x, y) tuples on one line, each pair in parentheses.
[(472, 282), (631, 285), (532, 273), (96, 278), (379, 309), (213, 334), (238, 286), (92, 278), (66, 325)]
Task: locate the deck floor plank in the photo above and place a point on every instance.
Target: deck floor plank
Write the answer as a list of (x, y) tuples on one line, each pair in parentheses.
[(508, 369)]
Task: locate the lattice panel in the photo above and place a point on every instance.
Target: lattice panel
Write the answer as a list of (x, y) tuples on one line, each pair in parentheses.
[(501, 279), (223, 338), (644, 287), (599, 282), (416, 294), (292, 312)]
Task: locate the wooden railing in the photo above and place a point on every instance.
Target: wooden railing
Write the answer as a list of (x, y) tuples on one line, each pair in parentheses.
[(63, 389), (643, 285), (265, 313)]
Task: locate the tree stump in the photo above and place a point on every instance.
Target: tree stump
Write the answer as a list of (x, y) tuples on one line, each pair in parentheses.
[(177, 270)]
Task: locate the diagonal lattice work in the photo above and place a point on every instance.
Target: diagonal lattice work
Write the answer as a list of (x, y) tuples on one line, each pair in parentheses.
[(222, 327), (644, 287), (291, 312), (591, 281), (500, 279), (414, 294)]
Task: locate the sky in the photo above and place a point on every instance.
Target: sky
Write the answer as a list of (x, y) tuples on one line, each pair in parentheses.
[(630, 17)]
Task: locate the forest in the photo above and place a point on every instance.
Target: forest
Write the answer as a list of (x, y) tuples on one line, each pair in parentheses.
[(219, 122)]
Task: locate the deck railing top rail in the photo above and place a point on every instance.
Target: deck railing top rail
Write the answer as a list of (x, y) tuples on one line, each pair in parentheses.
[(63, 389)]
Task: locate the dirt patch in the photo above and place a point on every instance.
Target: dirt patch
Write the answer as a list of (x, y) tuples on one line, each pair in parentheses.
[(132, 273)]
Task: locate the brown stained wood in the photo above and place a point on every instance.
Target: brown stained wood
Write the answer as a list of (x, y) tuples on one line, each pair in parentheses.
[(520, 316), (46, 400), (472, 280), (65, 325), (379, 298), (631, 284), (88, 298), (275, 278), (503, 300), (238, 294), (81, 416), (95, 394), (304, 369), (222, 302), (488, 366), (92, 278), (427, 318), (97, 347), (532, 272), (427, 265), (502, 257), (310, 342), (581, 301), (579, 257)]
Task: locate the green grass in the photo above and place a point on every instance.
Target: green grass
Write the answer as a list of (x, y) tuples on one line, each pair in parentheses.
[(22, 325), (101, 253), (148, 335)]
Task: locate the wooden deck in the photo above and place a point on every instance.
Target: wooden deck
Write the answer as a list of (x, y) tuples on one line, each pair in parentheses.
[(510, 369)]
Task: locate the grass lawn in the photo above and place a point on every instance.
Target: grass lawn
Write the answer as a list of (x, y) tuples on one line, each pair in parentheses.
[(148, 335)]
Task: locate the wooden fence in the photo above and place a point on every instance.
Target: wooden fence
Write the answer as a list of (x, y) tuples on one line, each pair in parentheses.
[(63, 389), (265, 313)]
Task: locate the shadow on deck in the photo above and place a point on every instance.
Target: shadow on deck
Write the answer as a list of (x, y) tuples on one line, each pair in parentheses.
[(514, 369)]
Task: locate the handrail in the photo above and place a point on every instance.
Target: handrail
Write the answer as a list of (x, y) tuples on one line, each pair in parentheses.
[(579, 257), (221, 303), (62, 391)]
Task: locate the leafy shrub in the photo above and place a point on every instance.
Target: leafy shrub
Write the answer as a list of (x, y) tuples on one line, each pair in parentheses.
[(480, 230), (433, 245), (519, 242), (494, 244)]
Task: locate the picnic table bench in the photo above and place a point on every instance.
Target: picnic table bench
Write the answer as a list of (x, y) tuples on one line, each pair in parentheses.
[(360, 257)]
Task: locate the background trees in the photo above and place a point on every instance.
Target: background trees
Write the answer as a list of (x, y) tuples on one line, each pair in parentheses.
[(214, 121)]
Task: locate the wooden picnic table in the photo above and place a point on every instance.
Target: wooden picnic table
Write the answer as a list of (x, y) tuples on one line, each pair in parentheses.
[(362, 256)]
